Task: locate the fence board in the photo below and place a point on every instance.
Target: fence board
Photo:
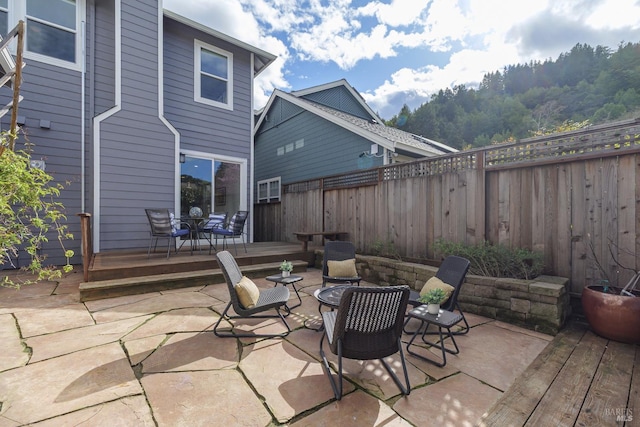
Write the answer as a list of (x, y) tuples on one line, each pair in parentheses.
[(544, 194), (578, 232)]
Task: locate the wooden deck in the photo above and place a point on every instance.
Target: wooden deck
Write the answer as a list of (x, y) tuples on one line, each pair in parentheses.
[(117, 273), (117, 264), (579, 379)]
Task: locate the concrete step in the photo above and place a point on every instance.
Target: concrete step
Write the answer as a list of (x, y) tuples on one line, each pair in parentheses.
[(90, 291)]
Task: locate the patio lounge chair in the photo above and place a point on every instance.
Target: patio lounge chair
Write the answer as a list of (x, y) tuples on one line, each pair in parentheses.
[(367, 325), (452, 271), (235, 228), (162, 225), (339, 263), (266, 299)]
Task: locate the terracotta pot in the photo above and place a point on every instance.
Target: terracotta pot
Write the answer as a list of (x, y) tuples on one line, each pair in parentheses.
[(612, 316)]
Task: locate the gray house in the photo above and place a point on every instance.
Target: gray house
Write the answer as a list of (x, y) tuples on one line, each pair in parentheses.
[(136, 107), (326, 130)]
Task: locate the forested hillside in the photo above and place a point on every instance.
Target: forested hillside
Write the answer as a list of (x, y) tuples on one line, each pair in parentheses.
[(594, 84)]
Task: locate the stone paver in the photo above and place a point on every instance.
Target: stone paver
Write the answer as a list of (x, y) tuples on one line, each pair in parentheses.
[(48, 346), (356, 409), (156, 304), (459, 400), (125, 412), (193, 352), (495, 355), (181, 320), (285, 385), (152, 359), (67, 383), (204, 398), (13, 353)]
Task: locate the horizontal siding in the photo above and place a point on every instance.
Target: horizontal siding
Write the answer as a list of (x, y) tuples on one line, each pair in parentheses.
[(137, 150), (103, 72), (53, 94), (203, 127), (328, 149)]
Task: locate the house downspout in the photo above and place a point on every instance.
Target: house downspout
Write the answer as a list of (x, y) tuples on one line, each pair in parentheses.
[(83, 177), (251, 153)]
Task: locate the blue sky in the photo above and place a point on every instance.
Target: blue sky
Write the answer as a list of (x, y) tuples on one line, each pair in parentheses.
[(397, 52)]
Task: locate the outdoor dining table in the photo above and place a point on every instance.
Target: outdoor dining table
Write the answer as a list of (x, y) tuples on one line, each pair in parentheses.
[(194, 224)]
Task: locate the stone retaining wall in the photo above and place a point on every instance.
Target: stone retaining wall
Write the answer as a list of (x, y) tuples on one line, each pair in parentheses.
[(542, 304)]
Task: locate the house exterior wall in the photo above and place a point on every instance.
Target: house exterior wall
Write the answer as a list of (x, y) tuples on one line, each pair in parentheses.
[(136, 158), (52, 94), (130, 147), (101, 65), (327, 149), (340, 99), (205, 128)]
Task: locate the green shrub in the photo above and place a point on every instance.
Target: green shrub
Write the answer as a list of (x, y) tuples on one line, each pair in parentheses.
[(494, 260), (385, 248), (29, 213)]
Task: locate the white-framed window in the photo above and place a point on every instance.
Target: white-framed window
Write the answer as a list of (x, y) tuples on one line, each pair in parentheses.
[(213, 75), (269, 190), (52, 29)]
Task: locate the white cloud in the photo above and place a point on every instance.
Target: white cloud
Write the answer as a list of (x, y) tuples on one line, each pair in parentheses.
[(397, 13), (478, 37)]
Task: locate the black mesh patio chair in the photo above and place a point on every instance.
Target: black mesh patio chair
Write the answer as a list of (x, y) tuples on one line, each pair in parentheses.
[(272, 298), (367, 325), (162, 225), (234, 229), (452, 271), (339, 251), (215, 220)]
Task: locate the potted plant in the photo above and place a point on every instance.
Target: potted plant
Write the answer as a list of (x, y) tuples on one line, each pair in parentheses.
[(433, 299), (286, 268), (612, 312)]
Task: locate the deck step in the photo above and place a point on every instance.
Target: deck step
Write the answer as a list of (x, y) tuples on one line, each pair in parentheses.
[(90, 291)]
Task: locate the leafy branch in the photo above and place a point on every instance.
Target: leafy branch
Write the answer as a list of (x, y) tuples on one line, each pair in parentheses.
[(28, 213)]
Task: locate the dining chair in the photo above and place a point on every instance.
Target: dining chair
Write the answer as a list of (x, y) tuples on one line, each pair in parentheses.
[(234, 229), (162, 225)]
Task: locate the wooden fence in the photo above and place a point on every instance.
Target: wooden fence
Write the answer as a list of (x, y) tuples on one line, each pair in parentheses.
[(552, 194)]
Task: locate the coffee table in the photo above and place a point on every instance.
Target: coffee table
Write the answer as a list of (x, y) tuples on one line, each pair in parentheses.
[(288, 280)]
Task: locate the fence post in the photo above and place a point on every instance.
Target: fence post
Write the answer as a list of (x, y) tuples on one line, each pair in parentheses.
[(87, 245)]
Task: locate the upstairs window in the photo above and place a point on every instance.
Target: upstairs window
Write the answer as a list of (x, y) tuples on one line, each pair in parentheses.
[(213, 79), (52, 29)]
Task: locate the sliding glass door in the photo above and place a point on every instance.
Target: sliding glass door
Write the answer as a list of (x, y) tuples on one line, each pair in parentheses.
[(212, 185)]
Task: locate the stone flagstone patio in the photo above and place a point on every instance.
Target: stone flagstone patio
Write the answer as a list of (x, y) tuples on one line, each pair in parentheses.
[(151, 359)]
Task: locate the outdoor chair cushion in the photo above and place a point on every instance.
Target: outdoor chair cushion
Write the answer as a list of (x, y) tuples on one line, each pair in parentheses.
[(346, 268), (247, 291), (435, 283)]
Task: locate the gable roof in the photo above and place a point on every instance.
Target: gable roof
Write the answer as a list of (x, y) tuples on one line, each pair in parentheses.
[(373, 130), (262, 58)]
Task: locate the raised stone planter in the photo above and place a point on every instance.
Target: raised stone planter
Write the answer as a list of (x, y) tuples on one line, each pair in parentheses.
[(542, 304)]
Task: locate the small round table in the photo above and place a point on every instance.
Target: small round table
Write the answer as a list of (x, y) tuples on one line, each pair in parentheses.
[(288, 280), (328, 297)]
